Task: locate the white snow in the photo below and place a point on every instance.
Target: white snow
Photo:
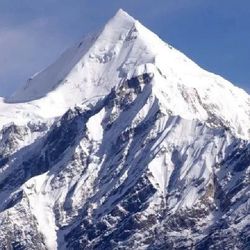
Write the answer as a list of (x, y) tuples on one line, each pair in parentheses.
[(94, 125), (42, 209), (122, 49)]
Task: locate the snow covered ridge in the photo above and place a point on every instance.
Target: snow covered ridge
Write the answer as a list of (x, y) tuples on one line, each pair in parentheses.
[(124, 143), (91, 68)]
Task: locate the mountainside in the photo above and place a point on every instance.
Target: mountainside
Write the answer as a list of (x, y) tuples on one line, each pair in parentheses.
[(125, 143)]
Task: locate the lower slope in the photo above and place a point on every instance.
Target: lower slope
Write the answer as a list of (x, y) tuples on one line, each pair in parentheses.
[(144, 178)]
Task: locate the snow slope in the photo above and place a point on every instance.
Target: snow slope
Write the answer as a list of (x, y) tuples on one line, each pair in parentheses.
[(89, 70)]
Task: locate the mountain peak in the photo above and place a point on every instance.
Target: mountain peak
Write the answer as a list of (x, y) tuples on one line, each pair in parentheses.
[(121, 14), (123, 49), (124, 143), (41, 84)]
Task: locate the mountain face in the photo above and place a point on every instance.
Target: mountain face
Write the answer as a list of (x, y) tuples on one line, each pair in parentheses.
[(125, 143)]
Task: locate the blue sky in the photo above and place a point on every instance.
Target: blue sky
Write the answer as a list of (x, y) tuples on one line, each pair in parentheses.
[(215, 34)]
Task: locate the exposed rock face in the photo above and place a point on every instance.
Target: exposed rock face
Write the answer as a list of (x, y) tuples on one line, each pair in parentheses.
[(128, 170)]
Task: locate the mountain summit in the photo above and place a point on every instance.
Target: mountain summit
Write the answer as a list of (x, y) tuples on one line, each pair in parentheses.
[(124, 143), (91, 68), (77, 67)]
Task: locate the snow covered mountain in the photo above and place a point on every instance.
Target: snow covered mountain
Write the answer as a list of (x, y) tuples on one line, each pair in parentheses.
[(125, 143)]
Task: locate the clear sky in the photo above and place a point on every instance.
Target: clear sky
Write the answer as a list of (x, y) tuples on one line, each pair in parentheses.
[(215, 34)]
